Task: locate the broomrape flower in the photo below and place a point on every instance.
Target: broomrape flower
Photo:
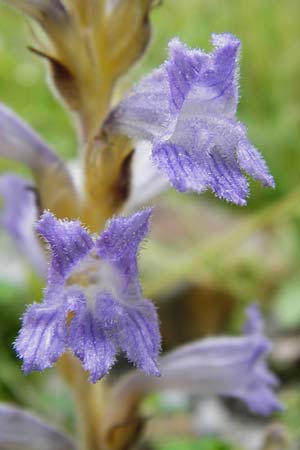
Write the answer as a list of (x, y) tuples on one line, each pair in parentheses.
[(227, 366), (182, 118), (233, 366), (187, 109), (93, 302)]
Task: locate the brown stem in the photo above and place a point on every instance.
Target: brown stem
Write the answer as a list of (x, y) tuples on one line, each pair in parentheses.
[(89, 399), (107, 178)]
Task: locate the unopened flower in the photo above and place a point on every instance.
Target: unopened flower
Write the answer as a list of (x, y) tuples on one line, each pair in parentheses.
[(93, 302), (187, 109)]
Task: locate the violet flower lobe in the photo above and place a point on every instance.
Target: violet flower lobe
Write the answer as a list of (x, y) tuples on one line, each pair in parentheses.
[(93, 302), (187, 109), (17, 216), (20, 430), (230, 366)]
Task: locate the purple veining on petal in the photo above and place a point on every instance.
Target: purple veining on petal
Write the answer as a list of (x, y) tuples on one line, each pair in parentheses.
[(119, 243), (133, 319), (183, 69), (145, 112), (226, 179), (18, 215), (212, 366), (43, 336), (224, 77), (192, 95), (108, 311), (251, 161), (69, 243), (134, 329), (227, 366), (90, 344), (20, 430)]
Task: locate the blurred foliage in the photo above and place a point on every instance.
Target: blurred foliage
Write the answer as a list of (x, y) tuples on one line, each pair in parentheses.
[(201, 444), (269, 105)]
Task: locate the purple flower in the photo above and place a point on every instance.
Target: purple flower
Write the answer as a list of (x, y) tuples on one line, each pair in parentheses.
[(19, 213), (21, 143), (93, 302), (187, 109), (227, 366), (20, 430)]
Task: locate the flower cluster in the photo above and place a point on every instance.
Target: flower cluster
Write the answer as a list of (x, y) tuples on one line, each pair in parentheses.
[(227, 366), (179, 128)]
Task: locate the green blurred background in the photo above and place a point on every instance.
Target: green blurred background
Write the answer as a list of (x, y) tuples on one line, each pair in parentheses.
[(226, 277)]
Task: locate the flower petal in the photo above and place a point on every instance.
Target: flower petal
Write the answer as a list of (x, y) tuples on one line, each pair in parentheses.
[(224, 366), (203, 83), (250, 160), (134, 328), (129, 319), (259, 397), (254, 323), (213, 365), (146, 181), (226, 178), (119, 243), (19, 213), (20, 430), (145, 112), (197, 157), (43, 336), (224, 78), (197, 141), (183, 68), (183, 157), (117, 247), (69, 243), (228, 366), (90, 344), (20, 143)]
